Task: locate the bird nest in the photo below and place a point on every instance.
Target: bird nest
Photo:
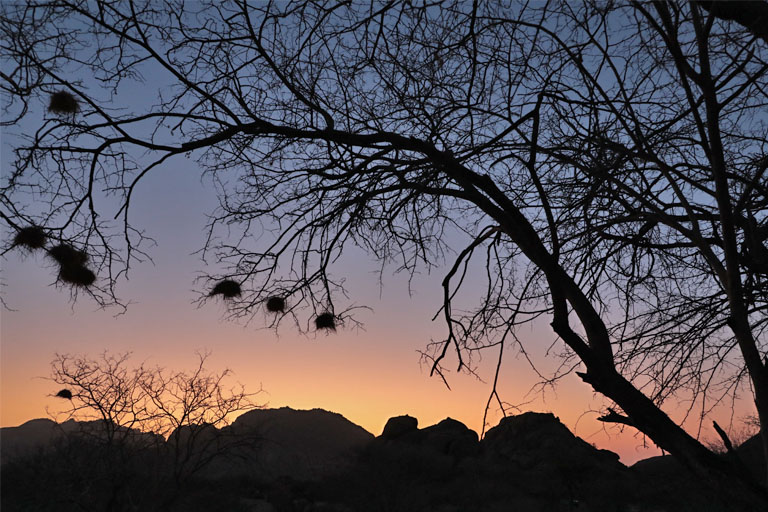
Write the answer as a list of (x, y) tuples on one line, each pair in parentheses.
[(65, 393), (62, 102), (325, 321), (276, 305), (77, 275), (72, 269), (30, 237), (227, 289), (67, 256)]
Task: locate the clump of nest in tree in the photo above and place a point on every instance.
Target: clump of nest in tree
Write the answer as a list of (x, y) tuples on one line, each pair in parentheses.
[(72, 267), (67, 256), (325, 321), (276, 304), (65, 393), (77, 275), (227, 289), (30, 237), (62, 102)]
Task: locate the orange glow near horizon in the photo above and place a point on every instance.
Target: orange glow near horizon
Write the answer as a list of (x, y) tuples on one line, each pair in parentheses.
[(367, 375)]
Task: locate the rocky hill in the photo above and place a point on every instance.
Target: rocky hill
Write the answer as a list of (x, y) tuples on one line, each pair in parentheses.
[(28, 437), (301, 444), (284, 460), (35, 436), (531, 460)]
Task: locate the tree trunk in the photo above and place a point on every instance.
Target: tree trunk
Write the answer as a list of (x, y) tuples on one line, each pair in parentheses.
[(716, 471), (601, 370)]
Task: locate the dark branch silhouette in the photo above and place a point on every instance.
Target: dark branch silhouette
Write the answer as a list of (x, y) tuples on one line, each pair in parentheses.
[(603, 163), (170, 423)]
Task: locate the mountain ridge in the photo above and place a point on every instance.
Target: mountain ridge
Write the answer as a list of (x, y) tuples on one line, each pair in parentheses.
[(300, 457)]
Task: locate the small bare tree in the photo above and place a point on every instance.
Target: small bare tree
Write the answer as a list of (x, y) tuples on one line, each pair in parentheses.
[(169, 422)]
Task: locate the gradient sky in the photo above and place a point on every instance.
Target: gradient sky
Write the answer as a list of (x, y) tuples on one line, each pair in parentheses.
[(367, 375)]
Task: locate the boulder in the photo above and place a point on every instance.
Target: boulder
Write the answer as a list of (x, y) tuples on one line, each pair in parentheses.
[(554, 467), (451, 437), (539, 440), (448, 438), (399, 426)]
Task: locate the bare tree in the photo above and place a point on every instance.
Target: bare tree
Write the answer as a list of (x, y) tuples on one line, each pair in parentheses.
[(168, 422), (606, 162)]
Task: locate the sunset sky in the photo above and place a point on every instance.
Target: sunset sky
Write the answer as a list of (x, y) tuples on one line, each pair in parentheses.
[(367, 375)]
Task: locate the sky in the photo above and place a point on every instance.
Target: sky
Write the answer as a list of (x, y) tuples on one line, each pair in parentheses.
[(367, 375)]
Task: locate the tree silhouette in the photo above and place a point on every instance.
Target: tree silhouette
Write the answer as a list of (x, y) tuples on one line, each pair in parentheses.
[(147, 421), (606, 162)]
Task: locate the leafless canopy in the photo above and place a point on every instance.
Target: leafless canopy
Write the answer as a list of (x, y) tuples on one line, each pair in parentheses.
[(144, 398), (143, 426), (604, 163)]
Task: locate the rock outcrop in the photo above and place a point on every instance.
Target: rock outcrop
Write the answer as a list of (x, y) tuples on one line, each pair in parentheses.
[(27, 437), (292, 460), (399, 426), (543, 461), (452, 438), (38, 435), (301, 444), (448, 437), (539, 441)]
